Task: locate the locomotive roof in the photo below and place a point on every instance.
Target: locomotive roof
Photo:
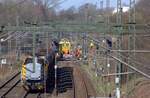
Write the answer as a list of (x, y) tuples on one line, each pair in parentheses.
[(64, 40)]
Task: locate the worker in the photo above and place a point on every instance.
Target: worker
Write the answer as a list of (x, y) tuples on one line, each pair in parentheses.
[(54, 45), (97, 46), (109, 43), (52, 53), (65, 51), (91, 45), (110, 96), (78, 52)]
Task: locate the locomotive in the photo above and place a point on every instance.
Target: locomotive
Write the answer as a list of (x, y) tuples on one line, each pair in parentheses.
[(65, 49), (33, 77), (34, 72)]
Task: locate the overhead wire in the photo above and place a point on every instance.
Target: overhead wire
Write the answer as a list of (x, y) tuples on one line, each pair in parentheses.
[(15, 35), (9, 36), (111, 55)]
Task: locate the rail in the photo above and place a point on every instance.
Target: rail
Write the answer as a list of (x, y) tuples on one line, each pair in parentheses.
[(9, 80), (3, 96), (84, 83)]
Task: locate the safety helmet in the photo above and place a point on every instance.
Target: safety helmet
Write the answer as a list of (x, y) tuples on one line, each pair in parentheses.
[(91, 44)]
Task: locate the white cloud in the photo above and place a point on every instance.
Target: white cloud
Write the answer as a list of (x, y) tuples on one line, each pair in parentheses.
[(124, 9)]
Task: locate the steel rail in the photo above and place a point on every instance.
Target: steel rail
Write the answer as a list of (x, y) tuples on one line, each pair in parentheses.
[(26, 94), (3, 96), (83, 80), (36, 95), (115, 74), (9, 80)]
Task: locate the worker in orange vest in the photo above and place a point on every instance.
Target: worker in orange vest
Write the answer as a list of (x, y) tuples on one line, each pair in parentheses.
[(78, 52)]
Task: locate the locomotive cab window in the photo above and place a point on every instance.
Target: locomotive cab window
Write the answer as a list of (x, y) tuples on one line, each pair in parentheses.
[(41, 61), (67, 45)]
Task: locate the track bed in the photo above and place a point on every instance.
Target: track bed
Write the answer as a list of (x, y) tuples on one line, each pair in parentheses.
[(72, 82)]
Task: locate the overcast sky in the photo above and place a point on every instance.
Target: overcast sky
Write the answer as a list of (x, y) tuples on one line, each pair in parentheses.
[(78, 3)]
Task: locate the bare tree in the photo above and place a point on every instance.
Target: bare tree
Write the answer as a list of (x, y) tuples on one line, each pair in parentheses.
[(143, 13), (47, 7), (87, 11)]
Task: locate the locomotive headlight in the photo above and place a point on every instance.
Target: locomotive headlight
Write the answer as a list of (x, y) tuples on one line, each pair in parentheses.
[(39, 77)]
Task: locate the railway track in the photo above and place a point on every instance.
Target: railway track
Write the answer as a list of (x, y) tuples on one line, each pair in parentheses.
[(84, 85), (66, 85), (9, 85), (74, 88), (76, 79), (64, 79), (32, 95)]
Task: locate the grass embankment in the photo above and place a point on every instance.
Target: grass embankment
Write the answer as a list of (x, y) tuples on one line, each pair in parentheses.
[(101, 84)]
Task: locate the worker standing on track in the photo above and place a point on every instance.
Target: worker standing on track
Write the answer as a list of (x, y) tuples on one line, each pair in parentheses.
[(109, 44), (92, 48), (78, 52), (91, 52), (91, 45), (52, 54)]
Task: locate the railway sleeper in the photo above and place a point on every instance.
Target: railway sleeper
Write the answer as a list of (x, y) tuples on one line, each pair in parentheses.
[(61, 73), (64, 88), (61, 90), (65, 80), (64, 71), (65, 85), (65, 68), (65, 75)]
